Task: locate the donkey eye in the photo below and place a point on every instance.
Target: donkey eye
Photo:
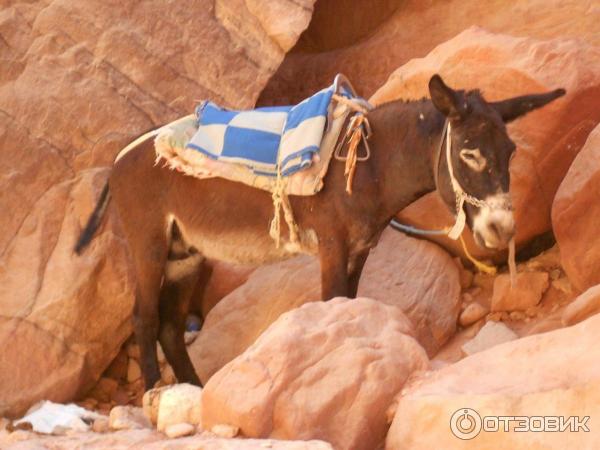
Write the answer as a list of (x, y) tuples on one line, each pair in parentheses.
[(473, 159)]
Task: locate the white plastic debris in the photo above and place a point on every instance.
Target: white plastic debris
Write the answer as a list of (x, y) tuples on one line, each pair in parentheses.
[(55, 418)]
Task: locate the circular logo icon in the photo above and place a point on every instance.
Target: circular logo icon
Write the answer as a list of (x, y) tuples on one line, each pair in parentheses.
[(465, 423)]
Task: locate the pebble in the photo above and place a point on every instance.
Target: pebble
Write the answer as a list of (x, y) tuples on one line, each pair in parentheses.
[(101, 425), (180, 430), (134, 372), (225, 431), (472, 313)]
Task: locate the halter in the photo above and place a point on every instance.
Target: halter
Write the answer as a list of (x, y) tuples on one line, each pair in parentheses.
[(460, 195)]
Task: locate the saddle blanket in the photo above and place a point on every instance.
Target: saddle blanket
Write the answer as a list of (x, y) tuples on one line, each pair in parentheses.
[(303, 137), (264, 139)]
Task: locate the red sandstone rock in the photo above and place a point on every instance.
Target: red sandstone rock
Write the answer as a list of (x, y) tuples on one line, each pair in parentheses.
[(550, 374), (526, 293), (584, 306), (576, 216), (79, 81), (322, 371), (421, 279)]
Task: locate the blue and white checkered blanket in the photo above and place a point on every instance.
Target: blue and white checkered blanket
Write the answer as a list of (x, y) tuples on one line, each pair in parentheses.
[(263, 138)]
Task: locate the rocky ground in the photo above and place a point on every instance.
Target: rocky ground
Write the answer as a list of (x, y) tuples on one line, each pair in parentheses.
[(427, 336)]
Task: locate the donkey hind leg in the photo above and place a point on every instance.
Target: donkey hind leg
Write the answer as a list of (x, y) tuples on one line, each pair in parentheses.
[(182, 272), (355, 269), (149, 259)]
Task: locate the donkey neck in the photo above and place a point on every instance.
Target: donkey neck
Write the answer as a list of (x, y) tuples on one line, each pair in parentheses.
[(406, 136)]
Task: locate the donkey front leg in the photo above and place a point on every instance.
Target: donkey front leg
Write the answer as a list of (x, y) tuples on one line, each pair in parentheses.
[(333, 255), (357, 263)]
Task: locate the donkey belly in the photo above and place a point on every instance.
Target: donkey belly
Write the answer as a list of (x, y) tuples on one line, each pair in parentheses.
[(241, 246), (230, 222)]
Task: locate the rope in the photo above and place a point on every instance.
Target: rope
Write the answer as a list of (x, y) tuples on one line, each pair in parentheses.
[(353, 104), (354, 133), (483, 267)]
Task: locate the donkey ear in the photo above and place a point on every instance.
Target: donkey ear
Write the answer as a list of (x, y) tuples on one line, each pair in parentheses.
[(446, 100), (513, 108)]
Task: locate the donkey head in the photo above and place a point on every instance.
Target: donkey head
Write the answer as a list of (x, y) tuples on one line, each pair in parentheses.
[(479, 155)]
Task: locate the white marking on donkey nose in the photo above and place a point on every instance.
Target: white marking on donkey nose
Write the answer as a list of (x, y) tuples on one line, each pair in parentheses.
[(494, 223)]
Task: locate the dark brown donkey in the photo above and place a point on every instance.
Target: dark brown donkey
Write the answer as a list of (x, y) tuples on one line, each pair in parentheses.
[(171, 220)]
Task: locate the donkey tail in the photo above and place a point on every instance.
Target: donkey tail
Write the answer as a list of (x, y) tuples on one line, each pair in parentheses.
[(94, 221)]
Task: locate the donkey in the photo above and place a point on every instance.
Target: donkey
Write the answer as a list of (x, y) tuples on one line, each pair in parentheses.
[(171, 221)]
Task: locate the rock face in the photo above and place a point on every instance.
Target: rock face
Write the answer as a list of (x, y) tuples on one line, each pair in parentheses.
[(575, 213), (547, 139), (414, 275), (322, 371), (84, 80), (550, 374)]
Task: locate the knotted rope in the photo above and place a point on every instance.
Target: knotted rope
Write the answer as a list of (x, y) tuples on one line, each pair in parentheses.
[(358, 128)]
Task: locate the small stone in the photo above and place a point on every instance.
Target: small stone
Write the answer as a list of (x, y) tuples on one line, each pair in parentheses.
[(190, 336), (121, 397), (495, 317), (517, 315), (528, 290), (101, 425), (562, 284), (555, 274), (127, 418), (180, 430), (225, 431), (584, 306), (492, 334), (134, 372), (467, 298), (472, 313), (532, 311), (180, 403)]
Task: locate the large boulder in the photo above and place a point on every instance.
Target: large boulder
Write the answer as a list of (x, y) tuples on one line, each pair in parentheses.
[(421, 279), (322, 371), (550, 374), (547, 139), (80, 81), (367, 44), (240, 318), (63, 318), (576, 213), (417, 276)]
